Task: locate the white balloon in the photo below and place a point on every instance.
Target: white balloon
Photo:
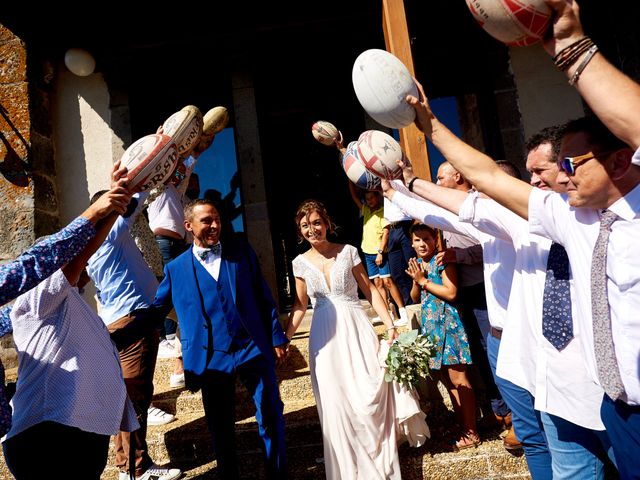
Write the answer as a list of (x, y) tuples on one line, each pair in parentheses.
[(79, 62)]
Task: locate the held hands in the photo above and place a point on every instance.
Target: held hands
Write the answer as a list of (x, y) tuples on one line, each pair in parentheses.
[(415, 271), (281, 352), (446, 256)]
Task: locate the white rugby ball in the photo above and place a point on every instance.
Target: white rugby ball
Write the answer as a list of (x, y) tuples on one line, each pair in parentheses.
[(185, 128), (324, 132), (150, 161), (380, 153), (382, 82), (514, 22), (215, 120), (356, 171)]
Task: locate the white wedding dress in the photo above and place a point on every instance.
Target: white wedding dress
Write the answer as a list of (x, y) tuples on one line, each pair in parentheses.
[(362, 416)]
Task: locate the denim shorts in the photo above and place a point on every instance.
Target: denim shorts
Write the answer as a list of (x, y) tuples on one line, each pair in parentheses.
[(374, 270)]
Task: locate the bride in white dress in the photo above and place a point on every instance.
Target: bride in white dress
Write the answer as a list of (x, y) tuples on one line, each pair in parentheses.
[(362, 416)]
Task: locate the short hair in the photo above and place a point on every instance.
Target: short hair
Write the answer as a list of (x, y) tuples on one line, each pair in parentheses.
[(97, 195), (188, 209), (309, 206), (509, 168), (597, 133), (421, 227), (551, 135)]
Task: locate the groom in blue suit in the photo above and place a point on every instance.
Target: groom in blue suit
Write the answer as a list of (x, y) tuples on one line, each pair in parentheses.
[(228, 326)]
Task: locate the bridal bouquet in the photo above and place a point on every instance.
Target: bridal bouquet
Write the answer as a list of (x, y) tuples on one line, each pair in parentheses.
[(408, 359)]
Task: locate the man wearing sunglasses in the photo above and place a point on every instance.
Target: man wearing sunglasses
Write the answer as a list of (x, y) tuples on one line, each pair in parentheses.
[(602, 183)]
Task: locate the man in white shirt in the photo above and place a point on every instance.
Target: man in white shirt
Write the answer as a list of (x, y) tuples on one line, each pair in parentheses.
[(598, 174)]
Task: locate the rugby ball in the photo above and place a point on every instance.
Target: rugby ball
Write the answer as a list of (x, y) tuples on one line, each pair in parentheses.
[(356, 171), (514, 22), (150, 161), (215, 120), (326, 133), (185, 128), (380, 153), (382, 82)]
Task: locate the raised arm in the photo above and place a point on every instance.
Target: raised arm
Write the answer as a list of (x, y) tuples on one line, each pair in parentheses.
[(354, 195), (475, 166), (612, 95)]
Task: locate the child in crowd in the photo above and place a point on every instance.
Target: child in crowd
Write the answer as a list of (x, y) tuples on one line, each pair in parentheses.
[(436, 287), (375, 236)]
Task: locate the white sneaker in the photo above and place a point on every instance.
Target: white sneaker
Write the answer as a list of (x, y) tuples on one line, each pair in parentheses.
[(176, 380), (154, 472), (166, 349), (403, 320), (155, 416)]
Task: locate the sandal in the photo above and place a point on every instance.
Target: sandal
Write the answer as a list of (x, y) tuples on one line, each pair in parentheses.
[(468, 440)]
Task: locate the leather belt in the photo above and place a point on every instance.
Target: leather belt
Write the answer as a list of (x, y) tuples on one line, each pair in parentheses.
[(496, 333)]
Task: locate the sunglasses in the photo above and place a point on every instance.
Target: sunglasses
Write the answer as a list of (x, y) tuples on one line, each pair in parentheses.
[(569, 164)]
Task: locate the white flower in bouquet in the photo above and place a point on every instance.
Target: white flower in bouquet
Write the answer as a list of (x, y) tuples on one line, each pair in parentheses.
[(408, 359)]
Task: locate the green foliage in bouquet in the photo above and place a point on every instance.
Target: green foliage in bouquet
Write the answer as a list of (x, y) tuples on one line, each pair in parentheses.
[(408, 359)]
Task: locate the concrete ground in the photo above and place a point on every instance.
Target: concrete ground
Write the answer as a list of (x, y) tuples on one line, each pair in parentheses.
[(185, 443)]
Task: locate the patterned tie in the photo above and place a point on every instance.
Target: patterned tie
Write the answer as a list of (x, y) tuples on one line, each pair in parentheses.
[(557, 321), (603, 341), (216, 249)]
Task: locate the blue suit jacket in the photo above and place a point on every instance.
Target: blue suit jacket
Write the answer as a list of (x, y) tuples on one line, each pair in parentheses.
[(251, 295)]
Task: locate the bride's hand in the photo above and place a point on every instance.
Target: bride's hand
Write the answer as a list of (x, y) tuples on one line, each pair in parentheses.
[(392, 334)]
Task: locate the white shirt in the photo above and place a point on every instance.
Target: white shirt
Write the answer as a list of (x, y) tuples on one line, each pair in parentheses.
[(211, 263), (559, 380), (68, 367), (499, 256), (578, 229), (167, 211)]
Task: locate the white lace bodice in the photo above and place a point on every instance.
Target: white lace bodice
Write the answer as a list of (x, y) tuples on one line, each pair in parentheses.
[(343, 288)]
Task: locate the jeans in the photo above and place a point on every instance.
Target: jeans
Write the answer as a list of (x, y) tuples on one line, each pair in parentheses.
[(473, 313), (526, 421), (622, 422), (577, 453), (400, 251)]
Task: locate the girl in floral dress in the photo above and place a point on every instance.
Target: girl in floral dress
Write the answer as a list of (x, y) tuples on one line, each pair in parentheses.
[(435, 286)]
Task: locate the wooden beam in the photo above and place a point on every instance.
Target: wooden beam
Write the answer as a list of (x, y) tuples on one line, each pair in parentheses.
[(396, 38)]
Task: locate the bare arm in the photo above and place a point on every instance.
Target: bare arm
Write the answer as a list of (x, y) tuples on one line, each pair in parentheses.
[(299, 308), (115, 199), (612, 95), (354, 195), (376, 301), (444, 197), (447, 291), (474, 165)]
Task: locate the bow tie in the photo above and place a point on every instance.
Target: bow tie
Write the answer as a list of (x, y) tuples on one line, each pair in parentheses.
[(216, 249)]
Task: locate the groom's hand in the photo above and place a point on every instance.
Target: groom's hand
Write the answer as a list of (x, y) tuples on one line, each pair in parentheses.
[(281, 353)]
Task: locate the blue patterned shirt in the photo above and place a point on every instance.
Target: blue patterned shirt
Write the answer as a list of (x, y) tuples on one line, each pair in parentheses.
[(32, 267)]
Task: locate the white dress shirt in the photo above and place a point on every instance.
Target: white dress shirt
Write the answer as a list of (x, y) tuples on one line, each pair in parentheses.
[(559, 380), (499, 256), (578, 229), (211, 263)]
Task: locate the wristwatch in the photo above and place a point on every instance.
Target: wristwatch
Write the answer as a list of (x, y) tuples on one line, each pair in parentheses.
[(380, 251)]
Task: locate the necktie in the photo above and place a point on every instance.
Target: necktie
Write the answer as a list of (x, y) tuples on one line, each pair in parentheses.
[(557, 321), (606, 361), (216, 249)]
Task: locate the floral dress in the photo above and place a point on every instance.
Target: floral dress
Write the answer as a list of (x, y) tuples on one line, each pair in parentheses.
[(441, 322)]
